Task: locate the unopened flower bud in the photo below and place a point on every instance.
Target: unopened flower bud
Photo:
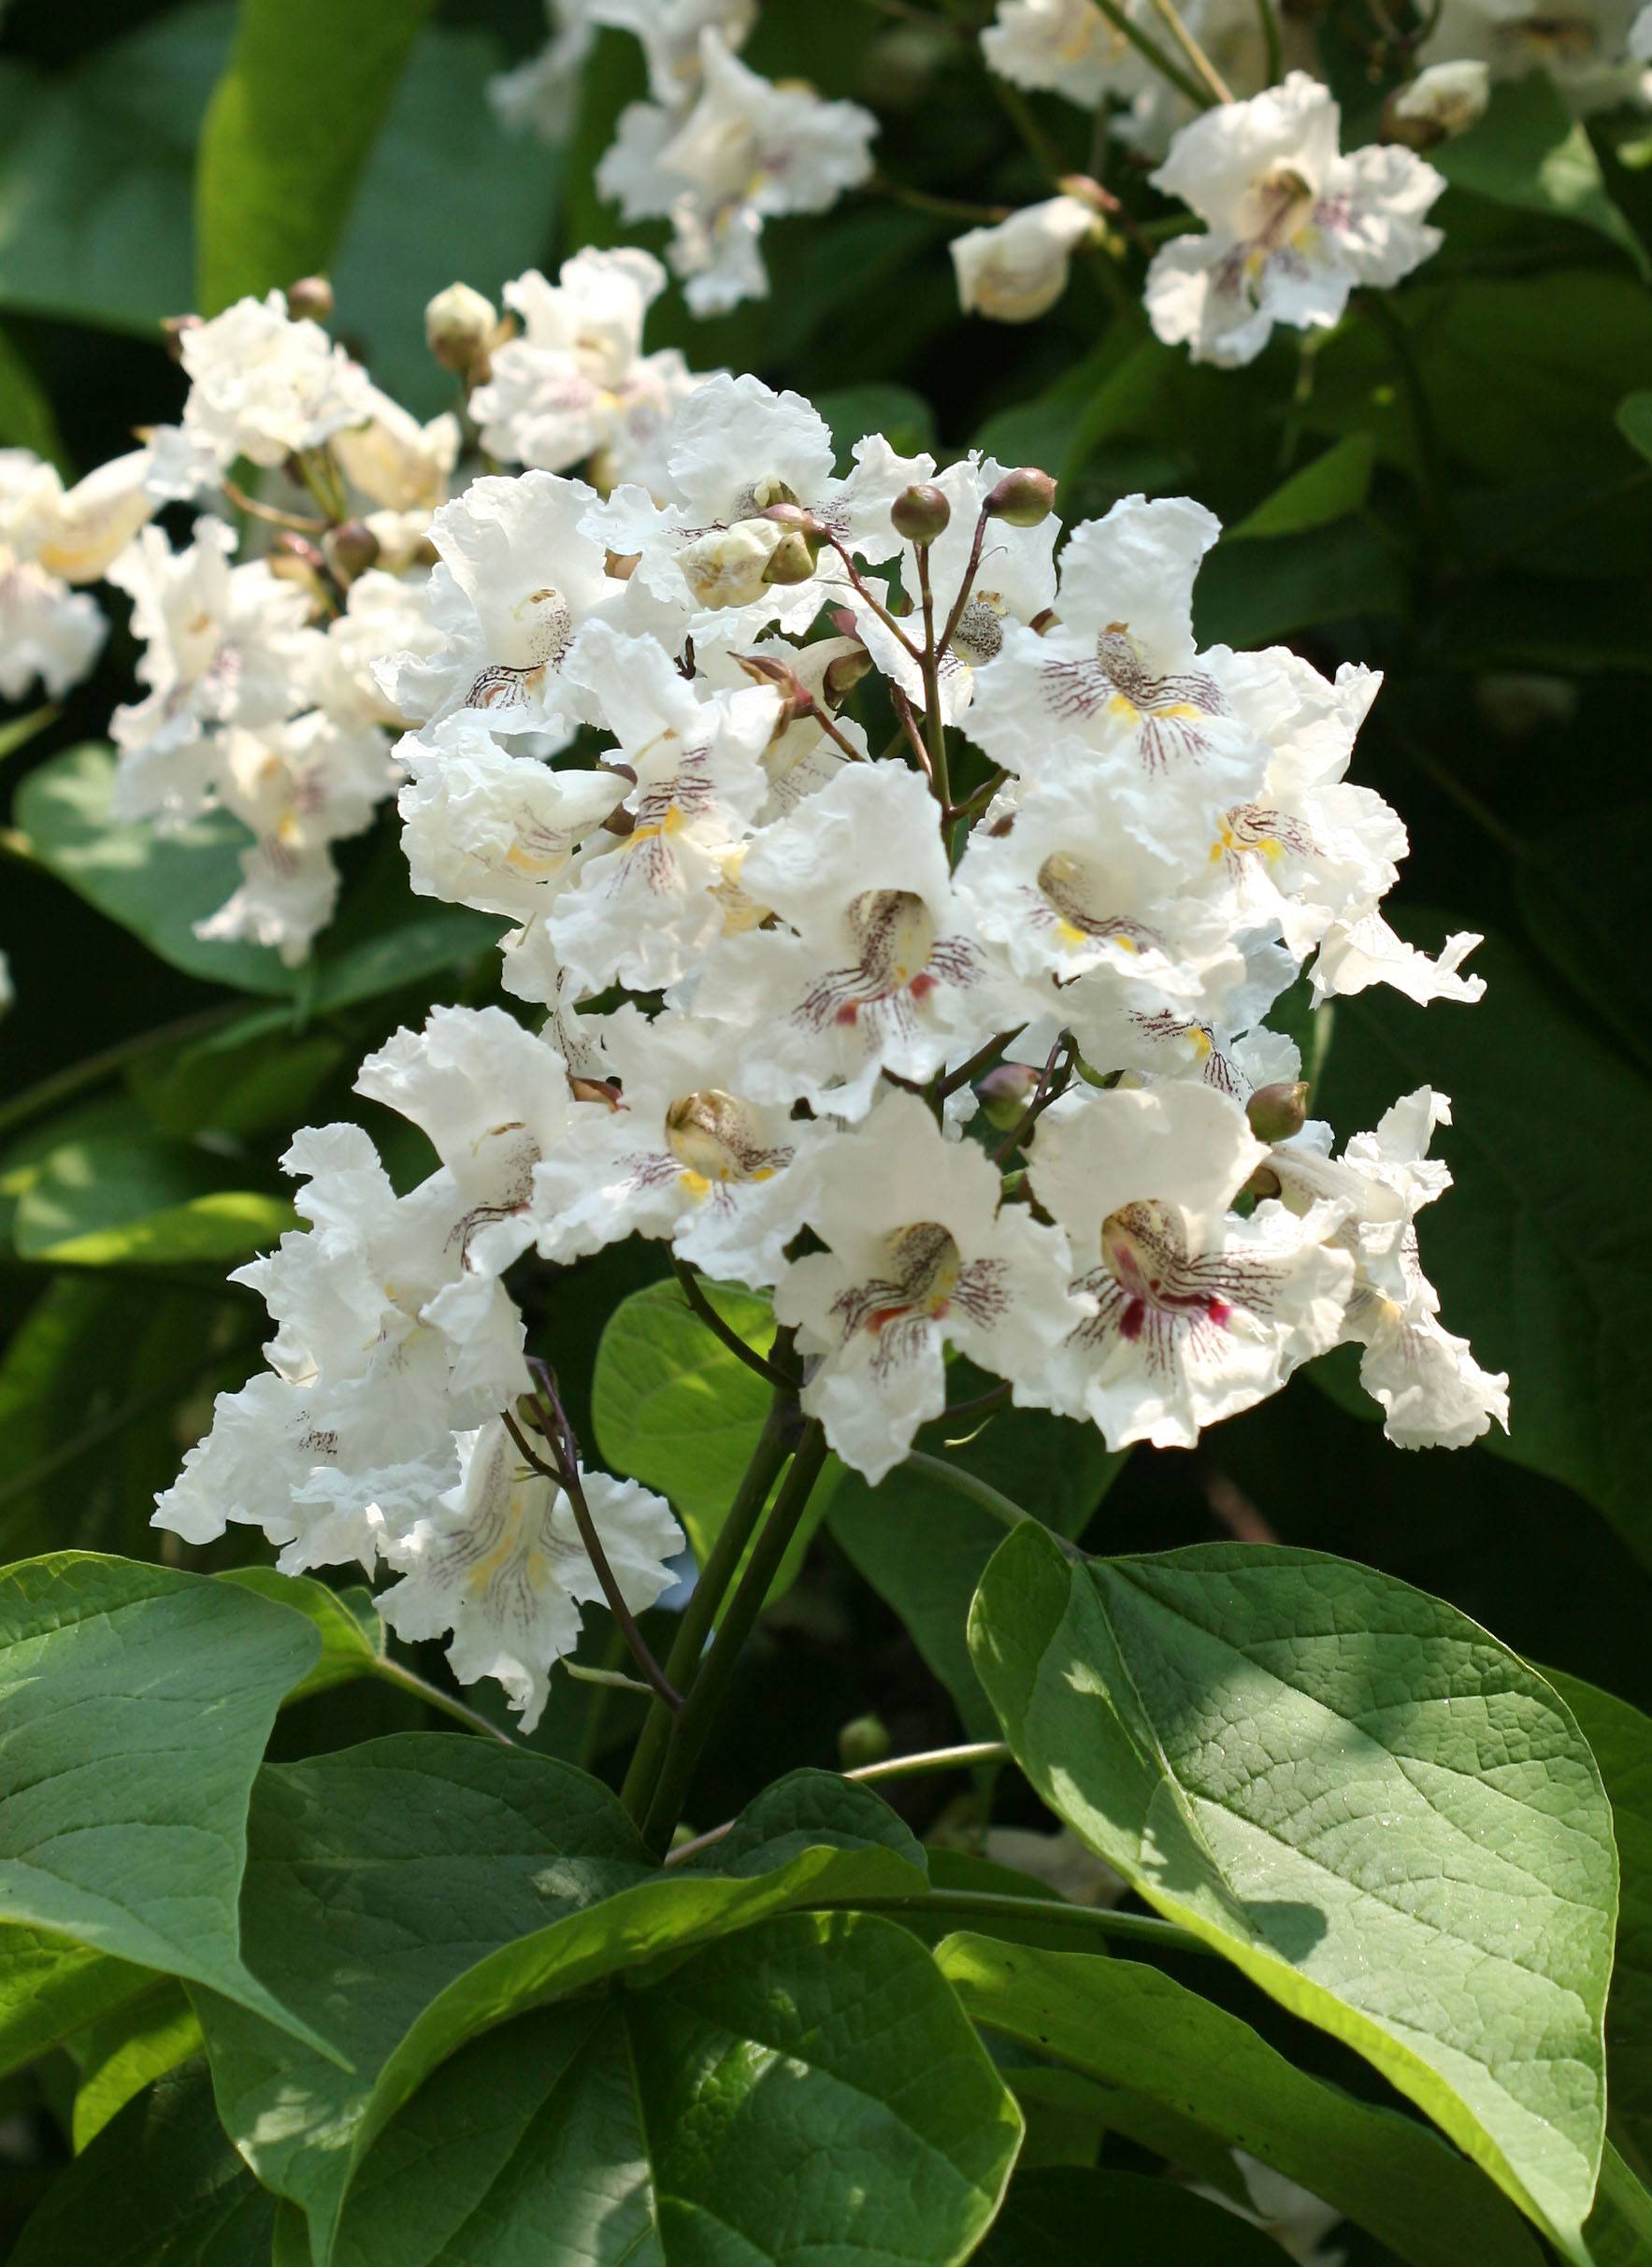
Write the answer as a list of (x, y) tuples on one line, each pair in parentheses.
[(593, 1090), (459, 326), (920, 513), (1278, 1111), (844, 674), (352, 548), (311, 299), (793, 560), (727, 566), (1444, 100), (795, 517), (1087, 191), (1005, 1092), (1022, 499), (294, 558), (863, 1739), (172, 330), (622, 566)]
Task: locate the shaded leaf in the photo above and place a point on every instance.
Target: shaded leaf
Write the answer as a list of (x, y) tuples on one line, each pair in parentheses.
[(1053, 2218), (127, 2050), (1530, 152)]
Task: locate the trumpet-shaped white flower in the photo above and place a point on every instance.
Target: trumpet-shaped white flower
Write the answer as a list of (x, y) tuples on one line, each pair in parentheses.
[(1062, 47), (74, 534), (299, 786), (223, 645), (689, 1155), (1594, 50), (384, 614), (744, 153), (483, 827), (46, 630), (499, 1564), (576, 385), (1115, 697), (1434, 1393), (394, 460), (1444, 100), (876, 969), (1293, 225), (1016, 270), (516, 578), (1197, 1312), (492, 1099), (1365, 951), (921, 1255), (1014, 580), (539, 93), (646, 899), (265, 387), (668, 32)]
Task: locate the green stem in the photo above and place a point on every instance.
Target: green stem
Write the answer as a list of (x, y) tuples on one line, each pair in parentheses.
[(770, 1455), (990, 1904), (934, 729), (444, 1703), (1148, 47), (1204, 70), (1270, 42), (724, 1332), (706, 1695), (1420, 417), (979, 1492), (973, 1755)]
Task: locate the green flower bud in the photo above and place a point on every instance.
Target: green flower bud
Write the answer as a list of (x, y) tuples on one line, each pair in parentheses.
[(1024, 498), (1276, 1112), (459, 326), (350, 550), (792, 560), (920, 513), (863, 1739), (310, 298)]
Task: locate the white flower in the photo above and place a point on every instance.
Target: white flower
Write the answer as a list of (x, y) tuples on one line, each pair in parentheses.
[(384, 614), (1017, 270), (735, 448), (876, 969), (645, 902), (1434, 1393), (1298, 2221), (46, 630), (223, 645), (499, 1563), (576, 383), (1114, 696), (688, 1156), (483, 827), (1365, 951), (75, 533), (1443, 100), (668, 32), (1062, 47), (516, 578), (1015, 580), (539, 93), (1199, 1313), (746, 153), (394, 460), (264, 387), (921, 1255), (1293, 226), (1594, 50), (299, 786)]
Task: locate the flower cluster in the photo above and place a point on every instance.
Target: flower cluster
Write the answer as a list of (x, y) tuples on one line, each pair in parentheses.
[(958, 1049)]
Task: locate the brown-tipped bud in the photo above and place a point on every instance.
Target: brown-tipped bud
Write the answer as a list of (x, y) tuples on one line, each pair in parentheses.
[(294, 558), (312, 298), (172, 330), (352, 548), (792, 560), (863, 1739), (797, 517), (1086, 189), (621, 564), (459, 327), (595, 1090), (920, 513), (1024, 498), (1005, 1092), (767, 670), (423, 553), (1276, 1112), (1044, 619), (844, 674)]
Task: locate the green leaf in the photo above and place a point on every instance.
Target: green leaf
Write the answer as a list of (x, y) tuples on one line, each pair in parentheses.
[(806, 2093), (1255, 595), (923, 1546), (51, 1987), (352, 1634), (112, 1203), (1620, 1741), (1544, 1287), (26, 421), (1125, 2023), (1355, 1795), (1634, 421), (1053, 2218), (287, 134), (1332, 486), (903, 418), (1528, 152), (1619, 2229), (127, 2050), (137, 1705), (404, 1895), (160, 2186), (673, 1408)]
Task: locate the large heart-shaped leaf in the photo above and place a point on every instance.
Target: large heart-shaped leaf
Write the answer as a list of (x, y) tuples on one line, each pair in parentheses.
[(137, 1702), (1362, 1799), (1130, 2026), (808, 2091)]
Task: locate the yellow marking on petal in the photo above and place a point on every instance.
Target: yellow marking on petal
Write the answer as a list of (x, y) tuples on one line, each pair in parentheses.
[(696, 1184)]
